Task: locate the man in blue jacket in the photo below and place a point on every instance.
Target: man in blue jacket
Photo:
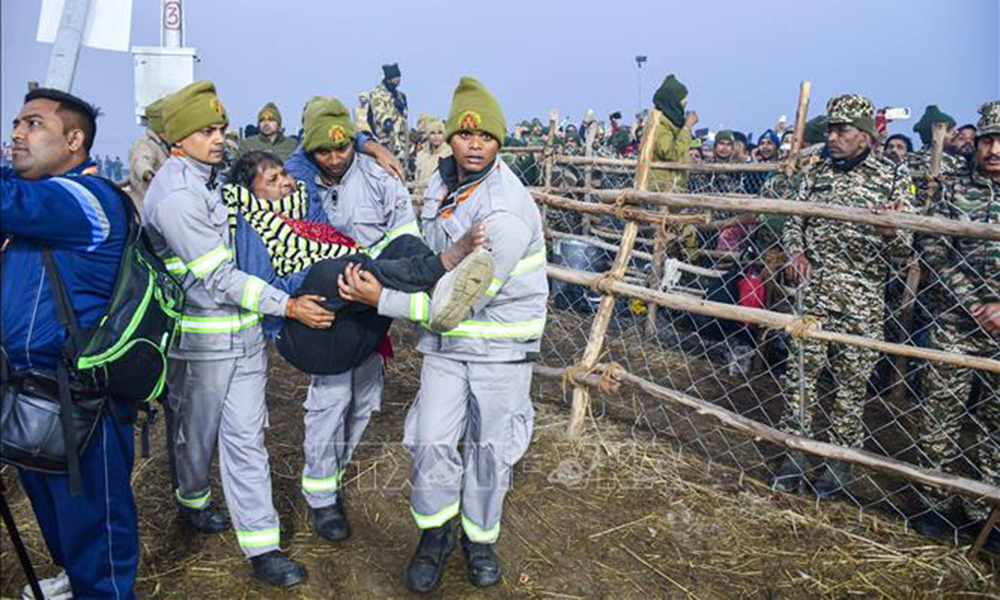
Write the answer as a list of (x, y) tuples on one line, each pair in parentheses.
[(51, 199)]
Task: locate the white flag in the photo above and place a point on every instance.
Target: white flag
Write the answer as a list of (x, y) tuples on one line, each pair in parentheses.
[(109, 24)]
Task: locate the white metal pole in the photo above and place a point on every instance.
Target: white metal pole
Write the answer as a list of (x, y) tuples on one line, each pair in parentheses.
[(173, 24), (66, 50)]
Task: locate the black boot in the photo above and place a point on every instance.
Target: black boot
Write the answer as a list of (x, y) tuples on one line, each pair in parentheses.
[(834, 481), (790, 477), (481, 562), (330, 522), (205, 520), (427, 563), (933, 525), (277, 569)]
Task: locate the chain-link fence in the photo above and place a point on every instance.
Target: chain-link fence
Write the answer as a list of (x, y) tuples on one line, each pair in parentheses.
[(879, 350)]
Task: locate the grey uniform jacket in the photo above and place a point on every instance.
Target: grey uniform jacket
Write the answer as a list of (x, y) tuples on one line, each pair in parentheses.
[(368, 204), (188, 225), (508, 321)]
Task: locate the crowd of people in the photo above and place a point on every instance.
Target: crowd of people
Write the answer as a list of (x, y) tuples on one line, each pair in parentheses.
[(312, 240)]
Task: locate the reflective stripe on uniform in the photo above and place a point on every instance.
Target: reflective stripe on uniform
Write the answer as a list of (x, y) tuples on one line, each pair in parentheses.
[(251, 293), (410, 228), (438, 519), (322, 484), (229, 324), (478, 534), (260, 538), (420, 307), (176, 266), (527, 264), (493, 329), (197, 503), (205, 264)]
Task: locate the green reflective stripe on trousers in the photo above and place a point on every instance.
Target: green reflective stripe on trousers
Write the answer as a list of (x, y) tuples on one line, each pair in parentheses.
[(196, 503), (260, 538), (478, 534), (420, 307), (230, 324), (203, 265), (321, 484), (525, 265), (175, 266), (410, 228), (438, 519), (490, 329), (251, 293)]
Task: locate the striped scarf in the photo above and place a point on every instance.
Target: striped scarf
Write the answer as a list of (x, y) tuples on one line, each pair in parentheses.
[(292, 243)]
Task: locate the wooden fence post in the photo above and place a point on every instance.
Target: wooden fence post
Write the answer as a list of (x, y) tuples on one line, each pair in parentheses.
[(599, 328)]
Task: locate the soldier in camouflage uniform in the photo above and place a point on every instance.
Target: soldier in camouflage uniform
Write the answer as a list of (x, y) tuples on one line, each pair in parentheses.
[(844, 267), (919, 161), (967, 309), (388, 111)]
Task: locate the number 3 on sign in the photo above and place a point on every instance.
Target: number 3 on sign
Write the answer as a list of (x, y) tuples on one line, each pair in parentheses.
[(172, 15)]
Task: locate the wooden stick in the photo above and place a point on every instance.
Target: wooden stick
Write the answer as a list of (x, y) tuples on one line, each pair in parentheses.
[(597, 161), (991, 522), (961, 485), (799, 132), (597, 244), (751, 204), (629, 213), (937, 149), (599, 327), (772, 320)]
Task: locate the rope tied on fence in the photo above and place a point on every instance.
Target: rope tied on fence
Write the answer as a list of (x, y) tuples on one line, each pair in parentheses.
[(619, 205), (610, 374), (803, 326), (605, 281)]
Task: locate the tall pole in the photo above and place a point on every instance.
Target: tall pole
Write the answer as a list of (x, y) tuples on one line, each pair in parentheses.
[(66, 50), (172, 21)]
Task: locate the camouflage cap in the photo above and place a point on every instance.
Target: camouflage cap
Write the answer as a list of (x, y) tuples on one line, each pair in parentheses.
[(852, 109), (989, 119)]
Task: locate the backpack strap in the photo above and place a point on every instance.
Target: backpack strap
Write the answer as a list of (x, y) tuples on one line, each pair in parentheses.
[(68, 320)]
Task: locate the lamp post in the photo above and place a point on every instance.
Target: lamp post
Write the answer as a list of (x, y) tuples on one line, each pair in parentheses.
[(639, 61)]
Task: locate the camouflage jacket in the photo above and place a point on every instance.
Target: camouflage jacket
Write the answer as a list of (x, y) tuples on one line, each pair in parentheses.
[(836, 247), (967, 269), (388, 123)]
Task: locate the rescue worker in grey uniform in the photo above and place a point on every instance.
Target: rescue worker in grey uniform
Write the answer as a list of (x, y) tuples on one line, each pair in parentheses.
[(364, 201), (476, 378), (218, 367)]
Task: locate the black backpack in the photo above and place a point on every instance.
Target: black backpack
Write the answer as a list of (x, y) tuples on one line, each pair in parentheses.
[(125, 353)]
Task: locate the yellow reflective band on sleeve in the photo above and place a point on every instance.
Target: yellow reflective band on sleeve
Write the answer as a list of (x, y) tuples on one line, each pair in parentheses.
[(317, 485), (478, 534), (204, 265), (495, 286), (230, 324), (251, 293), (526, 265), (531, 262), (261, 538), (492, 329), (410, 228), (438, 519), (420, 307), (196, 503), (175, 266)]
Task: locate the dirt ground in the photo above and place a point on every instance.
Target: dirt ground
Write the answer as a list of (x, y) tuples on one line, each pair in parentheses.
[(618, 515)]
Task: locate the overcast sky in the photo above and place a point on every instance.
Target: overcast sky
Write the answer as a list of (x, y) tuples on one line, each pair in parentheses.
[(742, 60)]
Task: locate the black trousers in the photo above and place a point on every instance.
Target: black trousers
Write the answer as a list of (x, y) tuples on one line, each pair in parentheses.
[(406, 264)]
